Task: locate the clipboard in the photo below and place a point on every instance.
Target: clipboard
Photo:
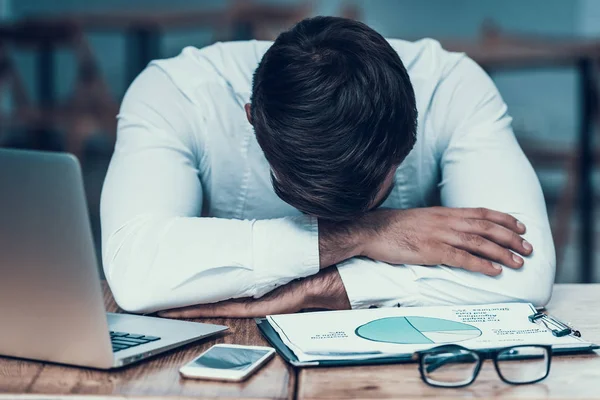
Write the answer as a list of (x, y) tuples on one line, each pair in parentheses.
[(554, 325)]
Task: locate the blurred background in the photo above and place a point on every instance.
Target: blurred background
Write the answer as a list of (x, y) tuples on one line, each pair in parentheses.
[(65, 65)]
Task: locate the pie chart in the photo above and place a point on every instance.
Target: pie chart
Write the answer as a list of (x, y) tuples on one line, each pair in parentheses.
[(417, 330)]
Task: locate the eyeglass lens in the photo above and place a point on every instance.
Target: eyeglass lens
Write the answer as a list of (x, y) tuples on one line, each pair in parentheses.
[(523, 364), (449, 367)]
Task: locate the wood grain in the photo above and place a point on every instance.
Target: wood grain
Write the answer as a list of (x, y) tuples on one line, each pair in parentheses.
[(570, 376), (158, 377)]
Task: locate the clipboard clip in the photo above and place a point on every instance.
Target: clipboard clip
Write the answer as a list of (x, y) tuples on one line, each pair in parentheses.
[(558, 328)]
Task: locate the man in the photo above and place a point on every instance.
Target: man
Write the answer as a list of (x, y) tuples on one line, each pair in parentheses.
[(254, 178)]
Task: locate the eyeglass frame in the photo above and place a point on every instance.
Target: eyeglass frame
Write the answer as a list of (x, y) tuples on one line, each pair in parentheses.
[(482, 355)]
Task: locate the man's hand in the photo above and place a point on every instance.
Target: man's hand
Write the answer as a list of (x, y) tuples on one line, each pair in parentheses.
[(475, 239), (324, 290)]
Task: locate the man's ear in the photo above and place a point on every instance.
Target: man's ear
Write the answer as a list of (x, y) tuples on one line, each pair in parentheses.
[(248, 112)]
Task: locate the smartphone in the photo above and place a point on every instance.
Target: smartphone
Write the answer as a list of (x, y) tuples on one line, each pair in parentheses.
[(227, 362)]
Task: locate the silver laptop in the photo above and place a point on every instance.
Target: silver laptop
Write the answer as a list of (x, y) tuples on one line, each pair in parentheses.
[(51, 304)]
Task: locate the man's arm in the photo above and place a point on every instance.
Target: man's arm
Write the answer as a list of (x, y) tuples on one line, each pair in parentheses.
[(158, 252), (324, 290), (475, 239), (425, 235)]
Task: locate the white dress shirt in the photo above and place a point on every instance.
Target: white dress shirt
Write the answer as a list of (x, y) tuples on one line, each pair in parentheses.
[(189, 214)]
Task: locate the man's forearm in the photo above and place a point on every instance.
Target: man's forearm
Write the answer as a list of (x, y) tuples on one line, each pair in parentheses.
[(324, 290), (338, 241), (413, 236), (475, 239)]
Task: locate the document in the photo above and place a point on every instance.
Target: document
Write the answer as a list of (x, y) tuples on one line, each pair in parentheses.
[(385, 332)]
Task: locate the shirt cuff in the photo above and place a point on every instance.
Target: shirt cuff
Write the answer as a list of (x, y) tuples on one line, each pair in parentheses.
[(284, 249), (372, 283)]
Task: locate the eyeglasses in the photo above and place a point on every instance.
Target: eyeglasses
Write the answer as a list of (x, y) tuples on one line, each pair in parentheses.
[(453, 366)]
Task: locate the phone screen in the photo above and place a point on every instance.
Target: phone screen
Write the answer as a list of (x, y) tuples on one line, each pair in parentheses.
[(229, 358)]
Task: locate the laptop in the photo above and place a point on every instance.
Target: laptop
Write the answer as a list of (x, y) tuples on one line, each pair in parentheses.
[(51, 301)]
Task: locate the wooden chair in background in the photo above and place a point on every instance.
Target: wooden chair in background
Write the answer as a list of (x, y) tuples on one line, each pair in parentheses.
[(15, 103), (89, 109)]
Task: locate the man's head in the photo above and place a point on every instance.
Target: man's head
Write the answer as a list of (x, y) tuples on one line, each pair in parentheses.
[(334, 113)]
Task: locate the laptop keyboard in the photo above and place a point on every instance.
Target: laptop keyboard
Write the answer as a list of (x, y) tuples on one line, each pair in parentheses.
[(122, 340)]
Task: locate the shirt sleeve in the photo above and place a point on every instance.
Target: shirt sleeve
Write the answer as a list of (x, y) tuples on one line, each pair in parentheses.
[(158, 252), (482, 166)]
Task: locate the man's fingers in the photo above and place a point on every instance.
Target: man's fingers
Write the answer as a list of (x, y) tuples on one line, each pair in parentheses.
[(481, 246), (495, 233), (500, 218), (454, 257)]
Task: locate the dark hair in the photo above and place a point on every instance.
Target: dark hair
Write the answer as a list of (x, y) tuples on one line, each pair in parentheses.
[(334, 111)]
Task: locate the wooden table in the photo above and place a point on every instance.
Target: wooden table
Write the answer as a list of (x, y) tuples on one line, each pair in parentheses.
[(570, 376)]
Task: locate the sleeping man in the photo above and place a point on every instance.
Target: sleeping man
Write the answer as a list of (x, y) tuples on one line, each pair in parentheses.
[(330, 169)]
